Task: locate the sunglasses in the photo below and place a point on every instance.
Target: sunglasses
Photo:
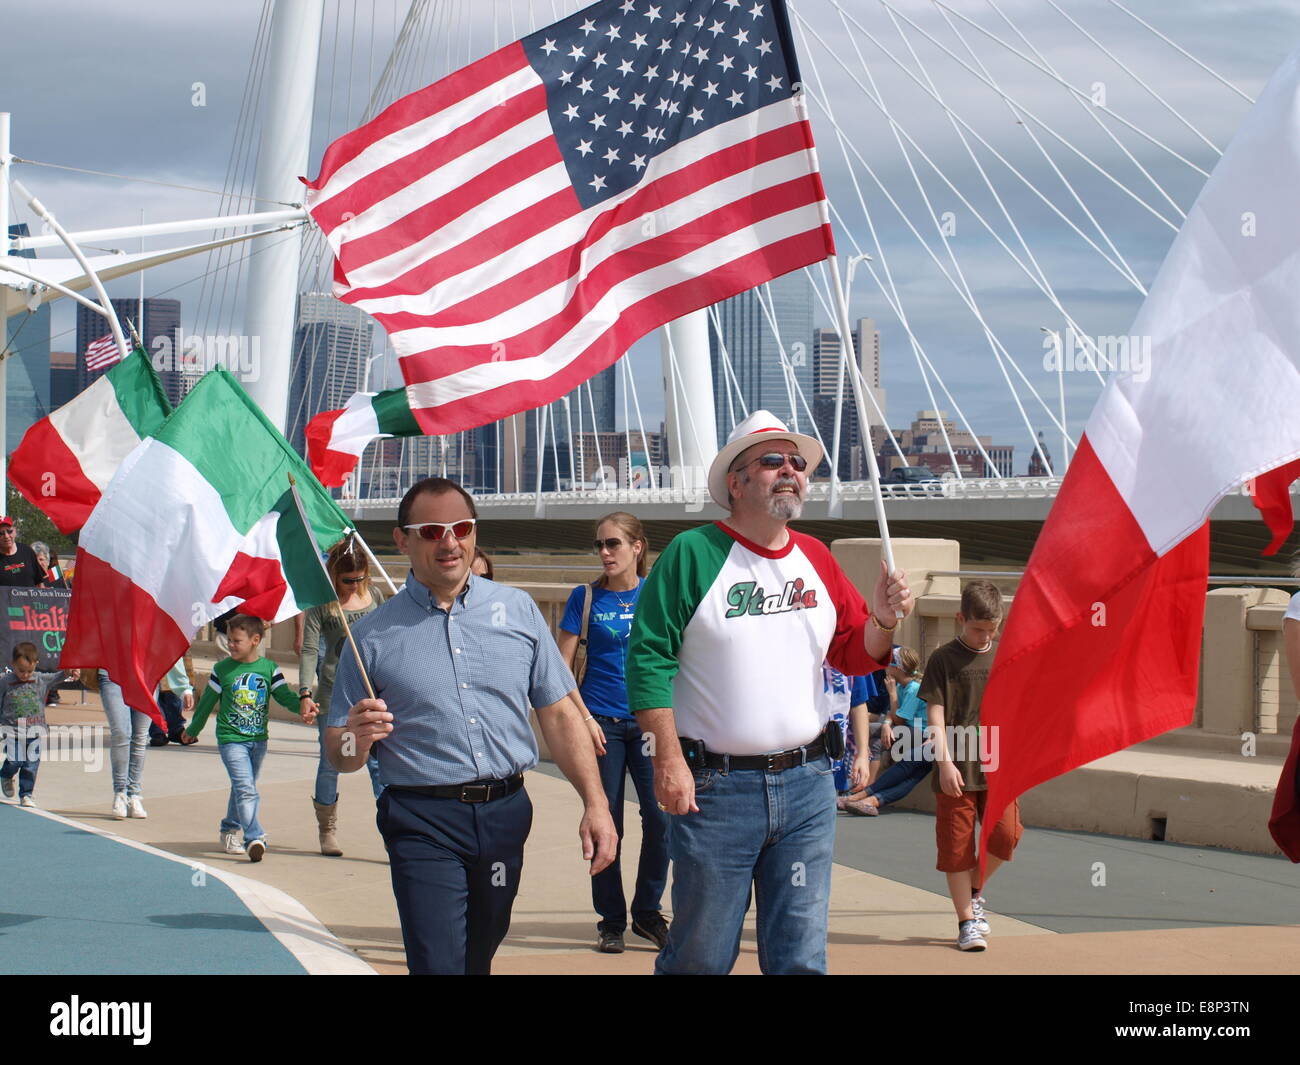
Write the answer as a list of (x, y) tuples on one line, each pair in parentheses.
[(437, 530), (352, 580), (775, 460), (612, 544)]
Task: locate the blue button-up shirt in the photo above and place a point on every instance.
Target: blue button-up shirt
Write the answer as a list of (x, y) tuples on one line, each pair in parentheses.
[(458, 682)]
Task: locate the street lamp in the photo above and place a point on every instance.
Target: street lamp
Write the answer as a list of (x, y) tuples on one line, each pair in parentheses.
[(1060, 389)]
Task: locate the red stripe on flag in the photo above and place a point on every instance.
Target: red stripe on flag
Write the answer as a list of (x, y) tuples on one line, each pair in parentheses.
[(1284, 819), (670, 188), (116, 625), (49, 476), (1271, 493), (634, 322), (330, 467), (1103, 645), (502, 175), (627, 263), (397, 175), (418, 106), (260, 579), (485, 245)]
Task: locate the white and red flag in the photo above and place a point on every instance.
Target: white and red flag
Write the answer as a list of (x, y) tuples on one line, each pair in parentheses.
[(102, 353), (66, 460), (1102, 646), (516, 226)]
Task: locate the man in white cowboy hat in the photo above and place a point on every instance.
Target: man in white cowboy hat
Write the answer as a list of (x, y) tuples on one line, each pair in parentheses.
[(725, 655)]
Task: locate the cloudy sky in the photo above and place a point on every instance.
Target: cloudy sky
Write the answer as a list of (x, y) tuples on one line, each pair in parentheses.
[(160, 90)]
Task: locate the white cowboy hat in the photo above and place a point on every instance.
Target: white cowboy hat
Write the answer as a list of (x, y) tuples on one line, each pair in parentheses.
[(759, 428)]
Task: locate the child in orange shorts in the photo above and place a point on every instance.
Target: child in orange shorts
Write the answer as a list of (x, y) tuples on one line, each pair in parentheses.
[(952, 688)]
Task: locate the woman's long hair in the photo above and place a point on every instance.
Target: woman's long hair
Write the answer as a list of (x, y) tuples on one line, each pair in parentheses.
[(346, 557)]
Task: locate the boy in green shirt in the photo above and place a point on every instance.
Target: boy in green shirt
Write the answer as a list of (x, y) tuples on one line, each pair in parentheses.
[(242, 685)]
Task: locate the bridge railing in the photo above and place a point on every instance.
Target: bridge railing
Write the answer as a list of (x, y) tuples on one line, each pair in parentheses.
[(850, 491), (1245, 689)]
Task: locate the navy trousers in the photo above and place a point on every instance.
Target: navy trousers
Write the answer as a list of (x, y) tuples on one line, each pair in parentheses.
[(455, 869)]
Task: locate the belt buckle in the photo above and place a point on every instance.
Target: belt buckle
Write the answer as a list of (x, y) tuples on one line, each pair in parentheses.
[(469, 792), (772, 767)]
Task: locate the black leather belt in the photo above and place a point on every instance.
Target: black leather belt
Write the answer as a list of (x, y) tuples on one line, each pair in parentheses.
[(777, 762), (478, 791)]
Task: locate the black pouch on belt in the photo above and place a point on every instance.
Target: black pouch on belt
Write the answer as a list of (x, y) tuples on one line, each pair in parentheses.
[(833, 737)]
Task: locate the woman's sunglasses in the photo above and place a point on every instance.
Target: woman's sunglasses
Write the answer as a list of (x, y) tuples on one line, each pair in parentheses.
[(353, 580), (612, 544), (437, 530)]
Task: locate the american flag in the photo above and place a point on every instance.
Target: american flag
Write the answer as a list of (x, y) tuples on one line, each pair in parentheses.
[(102, 353), (516, 226)]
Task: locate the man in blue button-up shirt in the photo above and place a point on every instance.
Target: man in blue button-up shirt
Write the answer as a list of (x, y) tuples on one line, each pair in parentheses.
[(456, 660)]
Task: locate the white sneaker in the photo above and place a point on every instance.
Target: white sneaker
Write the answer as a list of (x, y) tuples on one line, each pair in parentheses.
[(26, 800), (230, 843), (256, 849), (968, 938), (9, 787), (977, 914), (134, 807), (119, 807)]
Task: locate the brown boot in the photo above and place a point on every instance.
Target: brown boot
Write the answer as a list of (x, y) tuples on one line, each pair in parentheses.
[(326, 822)]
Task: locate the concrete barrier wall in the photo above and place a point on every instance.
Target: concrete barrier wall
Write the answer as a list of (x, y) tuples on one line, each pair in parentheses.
[(1193, 785)]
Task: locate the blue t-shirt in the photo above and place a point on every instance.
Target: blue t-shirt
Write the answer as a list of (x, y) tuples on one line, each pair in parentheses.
[(604, 688), (910, 708)]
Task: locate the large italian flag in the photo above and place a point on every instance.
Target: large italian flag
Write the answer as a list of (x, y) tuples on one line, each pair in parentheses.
[(65, 461), (1102, 646), (199, 519), (337, 438)]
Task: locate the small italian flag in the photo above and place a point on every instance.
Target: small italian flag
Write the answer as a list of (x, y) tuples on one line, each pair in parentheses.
[(199, 519), (65, 461), (337, 438)]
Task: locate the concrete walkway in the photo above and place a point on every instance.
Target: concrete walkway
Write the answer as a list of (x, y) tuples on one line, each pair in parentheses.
[(1163, 909)]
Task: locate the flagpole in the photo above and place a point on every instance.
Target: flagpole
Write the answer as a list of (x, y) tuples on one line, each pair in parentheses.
[(375, 562), (315, 547), (846, 336)]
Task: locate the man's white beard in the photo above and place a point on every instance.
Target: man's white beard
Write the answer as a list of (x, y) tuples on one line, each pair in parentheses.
[(784, 506)]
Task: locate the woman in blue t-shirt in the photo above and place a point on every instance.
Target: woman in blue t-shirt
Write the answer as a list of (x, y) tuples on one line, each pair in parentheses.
[(622, 547)]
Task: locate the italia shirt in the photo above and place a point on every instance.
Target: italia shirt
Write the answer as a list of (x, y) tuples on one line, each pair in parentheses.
[(732, 636)]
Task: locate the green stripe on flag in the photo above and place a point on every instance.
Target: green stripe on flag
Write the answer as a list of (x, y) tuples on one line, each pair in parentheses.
[(140, 393), (393, 412), (237, 450), (298, 556)]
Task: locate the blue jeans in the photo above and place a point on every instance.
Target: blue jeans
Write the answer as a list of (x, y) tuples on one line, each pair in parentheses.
[(772, 831), (243, 761), (327, 777), (21, 756), (624, 755), (902, 777), (128, 737)]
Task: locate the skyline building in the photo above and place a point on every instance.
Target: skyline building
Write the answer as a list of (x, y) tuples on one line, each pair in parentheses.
[(160, 333), (764, 382), (827, 351), (332, 342), (27, 374)]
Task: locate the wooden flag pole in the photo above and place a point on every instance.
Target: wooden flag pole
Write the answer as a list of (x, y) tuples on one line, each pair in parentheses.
[(374, 561), (311, 536)]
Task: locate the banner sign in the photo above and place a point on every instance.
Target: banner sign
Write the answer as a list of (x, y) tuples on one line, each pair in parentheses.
[(34, 615)]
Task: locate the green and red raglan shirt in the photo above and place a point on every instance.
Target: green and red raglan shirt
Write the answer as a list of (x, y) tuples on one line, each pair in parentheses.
[(732, 636)]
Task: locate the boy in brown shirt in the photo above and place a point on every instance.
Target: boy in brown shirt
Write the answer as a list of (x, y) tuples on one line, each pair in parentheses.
[(952, 688)]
